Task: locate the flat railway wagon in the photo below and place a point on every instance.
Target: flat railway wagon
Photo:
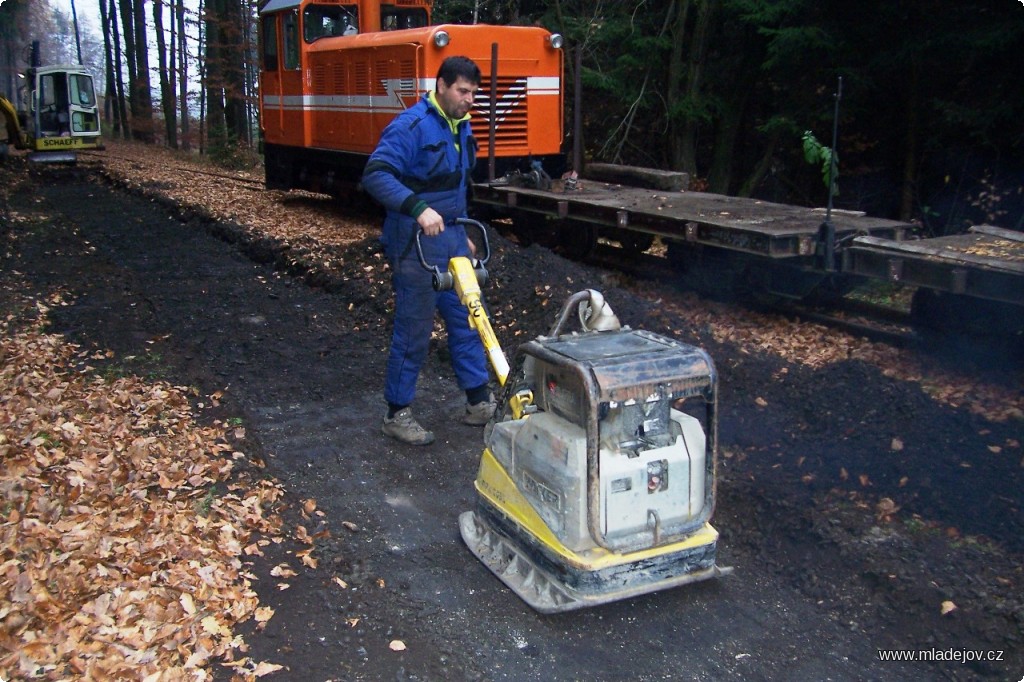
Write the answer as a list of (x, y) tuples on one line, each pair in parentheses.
[(333, 73), (970, 282)]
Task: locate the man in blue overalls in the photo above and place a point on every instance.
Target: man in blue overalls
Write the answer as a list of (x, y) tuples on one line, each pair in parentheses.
[(420, 171)]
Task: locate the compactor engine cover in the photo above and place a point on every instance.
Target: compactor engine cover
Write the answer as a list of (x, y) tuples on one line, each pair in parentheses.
[(603, 489)]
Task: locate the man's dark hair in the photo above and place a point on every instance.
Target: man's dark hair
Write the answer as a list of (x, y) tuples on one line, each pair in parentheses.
[(454, 67)]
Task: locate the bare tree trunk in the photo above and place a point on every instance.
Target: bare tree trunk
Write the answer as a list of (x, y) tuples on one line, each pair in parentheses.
[(110, 94), (216, 123), (683, 134), (167, 104), (122, 108), (729, 122), (143, 122), (752, 182), (78, 39), (677, 78), (203, 75), (233, 61), (172, 63), (910, 149), (250, 93), (13, 30), (183, 75), (128, 29)]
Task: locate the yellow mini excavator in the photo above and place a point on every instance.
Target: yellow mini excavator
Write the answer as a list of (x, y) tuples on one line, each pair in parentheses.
[(58, 115), (597, 481)]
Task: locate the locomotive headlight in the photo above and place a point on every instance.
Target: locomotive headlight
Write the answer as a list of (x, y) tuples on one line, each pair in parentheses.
[(441, 38), (556, 40)]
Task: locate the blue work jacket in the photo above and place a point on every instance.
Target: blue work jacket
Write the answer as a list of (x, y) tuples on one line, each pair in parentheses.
[(420, 161)]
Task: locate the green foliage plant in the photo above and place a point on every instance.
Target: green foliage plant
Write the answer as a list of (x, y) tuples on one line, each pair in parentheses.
[(818, 154)]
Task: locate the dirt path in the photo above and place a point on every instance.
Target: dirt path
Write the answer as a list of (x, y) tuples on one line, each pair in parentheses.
[(826, 574)]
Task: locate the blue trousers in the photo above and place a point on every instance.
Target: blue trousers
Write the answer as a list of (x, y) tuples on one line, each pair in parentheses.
[(415, 303)]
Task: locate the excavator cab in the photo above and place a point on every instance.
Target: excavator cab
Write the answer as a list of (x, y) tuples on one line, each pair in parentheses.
[(58, 114)]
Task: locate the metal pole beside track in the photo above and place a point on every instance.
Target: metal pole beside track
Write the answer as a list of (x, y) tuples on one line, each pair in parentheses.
[(492, 127), (827, 231), (577, 114)]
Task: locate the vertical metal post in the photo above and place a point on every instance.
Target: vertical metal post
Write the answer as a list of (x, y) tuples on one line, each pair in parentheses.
[(493, 120), (577, 113), (827, 231), (833, 159)]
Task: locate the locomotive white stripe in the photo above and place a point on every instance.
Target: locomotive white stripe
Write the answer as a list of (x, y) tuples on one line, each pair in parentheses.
[(543, 85), (392, 102), (354, 103)]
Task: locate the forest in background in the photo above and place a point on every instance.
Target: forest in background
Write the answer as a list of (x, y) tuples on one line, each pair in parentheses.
[(929, 118)]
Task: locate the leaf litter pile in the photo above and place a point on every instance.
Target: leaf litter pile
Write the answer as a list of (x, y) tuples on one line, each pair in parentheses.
[(124, 524)]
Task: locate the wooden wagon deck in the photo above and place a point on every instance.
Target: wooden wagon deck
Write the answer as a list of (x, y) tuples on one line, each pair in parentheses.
[(738, 224), (987, 262)]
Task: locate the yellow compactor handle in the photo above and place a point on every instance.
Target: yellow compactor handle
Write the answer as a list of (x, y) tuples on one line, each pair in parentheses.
[(465, 277), (468, 289)]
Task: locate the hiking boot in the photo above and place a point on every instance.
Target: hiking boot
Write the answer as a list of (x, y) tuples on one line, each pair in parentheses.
[(479, 414), (404, 427)]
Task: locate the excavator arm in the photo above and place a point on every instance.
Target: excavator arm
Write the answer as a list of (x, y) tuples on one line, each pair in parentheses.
[(14, 132)]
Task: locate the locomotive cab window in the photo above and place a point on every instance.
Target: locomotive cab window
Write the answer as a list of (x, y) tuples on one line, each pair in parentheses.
[(291, 40), (394, 19), (325, 21), (270, 43)]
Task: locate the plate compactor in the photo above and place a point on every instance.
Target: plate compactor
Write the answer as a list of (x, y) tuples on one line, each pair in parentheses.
[(597, 481)]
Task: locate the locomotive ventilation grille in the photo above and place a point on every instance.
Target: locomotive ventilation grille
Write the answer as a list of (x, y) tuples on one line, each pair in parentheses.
[(510, 113)]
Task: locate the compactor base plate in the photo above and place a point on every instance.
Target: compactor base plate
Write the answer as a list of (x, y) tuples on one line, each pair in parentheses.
[(519, 569)]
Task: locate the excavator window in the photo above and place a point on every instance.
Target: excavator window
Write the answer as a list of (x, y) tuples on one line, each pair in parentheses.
[(53, 104), (82, 92)]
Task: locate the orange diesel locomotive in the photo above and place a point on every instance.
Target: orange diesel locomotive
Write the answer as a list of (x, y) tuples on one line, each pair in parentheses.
[(333, 73)]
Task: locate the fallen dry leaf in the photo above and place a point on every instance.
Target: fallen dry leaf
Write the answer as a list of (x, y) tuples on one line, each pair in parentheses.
[(884, 510), (262, 614), (264, 668), (307, 558), (282, 571), (948, 607), (896, 445)]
